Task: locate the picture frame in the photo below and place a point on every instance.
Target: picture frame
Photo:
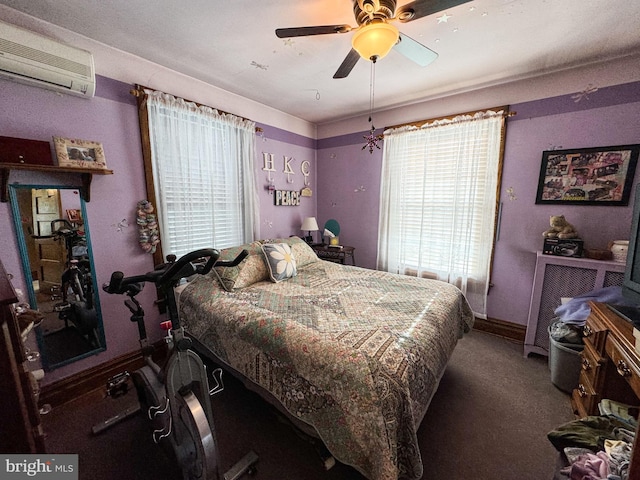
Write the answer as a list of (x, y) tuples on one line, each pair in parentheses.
[(79, 153), (588, 176), (74, 215)]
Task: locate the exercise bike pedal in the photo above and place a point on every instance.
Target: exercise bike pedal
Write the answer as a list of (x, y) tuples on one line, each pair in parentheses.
[(62, 307), (246, 465), (118, 385)]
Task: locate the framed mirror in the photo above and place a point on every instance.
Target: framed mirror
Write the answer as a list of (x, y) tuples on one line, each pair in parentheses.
[(55, 248)]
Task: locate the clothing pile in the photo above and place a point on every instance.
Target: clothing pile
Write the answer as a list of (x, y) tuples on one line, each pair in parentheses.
[(597, 447), (571, 316), (576, 310), (566, 334)]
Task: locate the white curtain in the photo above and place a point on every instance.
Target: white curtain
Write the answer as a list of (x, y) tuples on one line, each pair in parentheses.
[(203, 175), (438, 201)]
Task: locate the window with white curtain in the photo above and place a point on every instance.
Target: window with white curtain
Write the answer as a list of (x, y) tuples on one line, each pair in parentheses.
[(438, 201), (203, 177)]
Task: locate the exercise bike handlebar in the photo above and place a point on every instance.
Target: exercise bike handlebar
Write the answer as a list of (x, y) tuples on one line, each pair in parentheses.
[(171, 272), (66, 230)]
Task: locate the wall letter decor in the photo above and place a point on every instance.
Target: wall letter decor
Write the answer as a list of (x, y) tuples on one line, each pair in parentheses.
[(286, 197), (287, 168)]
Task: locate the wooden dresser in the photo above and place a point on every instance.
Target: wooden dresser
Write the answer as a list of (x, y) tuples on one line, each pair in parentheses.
[(610, 368), (21, 428)]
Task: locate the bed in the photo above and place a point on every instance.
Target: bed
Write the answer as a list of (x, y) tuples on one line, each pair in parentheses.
[(355, 355)]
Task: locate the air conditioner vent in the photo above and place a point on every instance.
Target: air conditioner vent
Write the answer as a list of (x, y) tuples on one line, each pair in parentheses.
[(45, 58), (33, 59)]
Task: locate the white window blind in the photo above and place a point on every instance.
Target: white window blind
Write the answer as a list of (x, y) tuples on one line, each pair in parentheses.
[(203, 175), (438, 202)]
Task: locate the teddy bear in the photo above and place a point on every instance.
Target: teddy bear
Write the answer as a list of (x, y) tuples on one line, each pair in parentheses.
[(560, 228)]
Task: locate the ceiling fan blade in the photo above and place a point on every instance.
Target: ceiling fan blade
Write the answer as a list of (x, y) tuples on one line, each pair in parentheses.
[(347, 64), (305, 31), (415, 51), (423, 8)]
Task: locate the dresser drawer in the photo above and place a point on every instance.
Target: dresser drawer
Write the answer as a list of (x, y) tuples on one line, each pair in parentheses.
[(625, 366), (592, 366), (595, 333), (577, 405), (586, 395)]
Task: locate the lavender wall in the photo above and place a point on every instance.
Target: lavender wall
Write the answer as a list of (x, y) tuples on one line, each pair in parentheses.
[(29, 112), (349, 192), (608, 117), (111, 118), (344, 178), (282, 221)]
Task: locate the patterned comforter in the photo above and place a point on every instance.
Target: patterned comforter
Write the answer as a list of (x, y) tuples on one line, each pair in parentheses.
[(356, 353)]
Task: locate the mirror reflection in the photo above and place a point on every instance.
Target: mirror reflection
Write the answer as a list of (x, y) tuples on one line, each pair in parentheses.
[(57, 259)]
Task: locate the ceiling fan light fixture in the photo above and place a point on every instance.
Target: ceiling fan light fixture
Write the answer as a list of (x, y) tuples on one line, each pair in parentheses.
[(375, 40)]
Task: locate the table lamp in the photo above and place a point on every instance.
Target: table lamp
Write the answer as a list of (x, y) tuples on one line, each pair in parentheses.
[(309, 225)]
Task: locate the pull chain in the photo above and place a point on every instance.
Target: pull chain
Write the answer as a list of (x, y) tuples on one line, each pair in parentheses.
[(372, 87), (371, 138)]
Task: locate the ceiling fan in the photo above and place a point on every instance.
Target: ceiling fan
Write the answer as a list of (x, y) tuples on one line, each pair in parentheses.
[(374, 36)]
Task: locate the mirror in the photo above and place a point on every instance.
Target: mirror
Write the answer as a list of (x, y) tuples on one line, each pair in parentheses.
[(55, 248)]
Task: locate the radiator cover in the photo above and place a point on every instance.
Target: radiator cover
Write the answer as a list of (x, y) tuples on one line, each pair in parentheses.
[(557, 277)]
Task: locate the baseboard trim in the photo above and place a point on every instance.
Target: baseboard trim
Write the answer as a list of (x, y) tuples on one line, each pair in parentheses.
[(500, 328), (70, 388)]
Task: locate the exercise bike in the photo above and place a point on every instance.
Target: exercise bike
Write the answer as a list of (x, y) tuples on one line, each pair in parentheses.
[(175, 398), (76, 282)]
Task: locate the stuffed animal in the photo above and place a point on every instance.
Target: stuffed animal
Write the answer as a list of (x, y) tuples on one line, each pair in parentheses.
[(560, 228)]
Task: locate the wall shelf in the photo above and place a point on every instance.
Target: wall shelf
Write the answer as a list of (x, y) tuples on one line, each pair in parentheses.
[(85, 175)]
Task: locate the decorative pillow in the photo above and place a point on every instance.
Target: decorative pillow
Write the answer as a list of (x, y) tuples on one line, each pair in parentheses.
[(280, 261), (276, 240), (288, 240), (251, 270), (301, 250)]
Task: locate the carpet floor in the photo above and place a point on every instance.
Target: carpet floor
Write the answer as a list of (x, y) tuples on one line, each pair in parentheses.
[(488, 420)]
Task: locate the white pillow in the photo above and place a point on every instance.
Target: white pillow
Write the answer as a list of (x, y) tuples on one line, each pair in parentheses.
[(280, 260)]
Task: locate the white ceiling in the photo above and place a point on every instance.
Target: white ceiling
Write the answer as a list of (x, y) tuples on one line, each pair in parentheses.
[(232, 45)]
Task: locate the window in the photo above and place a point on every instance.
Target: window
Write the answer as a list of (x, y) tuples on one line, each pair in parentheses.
[(202, 174), (438, 201)]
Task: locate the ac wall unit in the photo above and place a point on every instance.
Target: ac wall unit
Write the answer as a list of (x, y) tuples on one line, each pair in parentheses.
[(33, 59)]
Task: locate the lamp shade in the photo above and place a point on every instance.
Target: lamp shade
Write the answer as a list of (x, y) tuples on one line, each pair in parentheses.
[(375, 40), (309, 224)]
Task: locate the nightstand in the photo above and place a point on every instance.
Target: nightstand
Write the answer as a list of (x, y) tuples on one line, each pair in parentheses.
[(334, 254)]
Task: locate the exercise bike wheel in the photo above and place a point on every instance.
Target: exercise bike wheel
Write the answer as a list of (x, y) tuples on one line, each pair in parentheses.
[(196, 448)]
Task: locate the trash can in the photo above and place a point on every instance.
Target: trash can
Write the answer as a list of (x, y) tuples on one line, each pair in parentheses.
[(564, 363)]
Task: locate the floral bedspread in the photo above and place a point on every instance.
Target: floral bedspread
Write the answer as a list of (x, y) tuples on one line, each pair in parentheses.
[(355, 353)]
